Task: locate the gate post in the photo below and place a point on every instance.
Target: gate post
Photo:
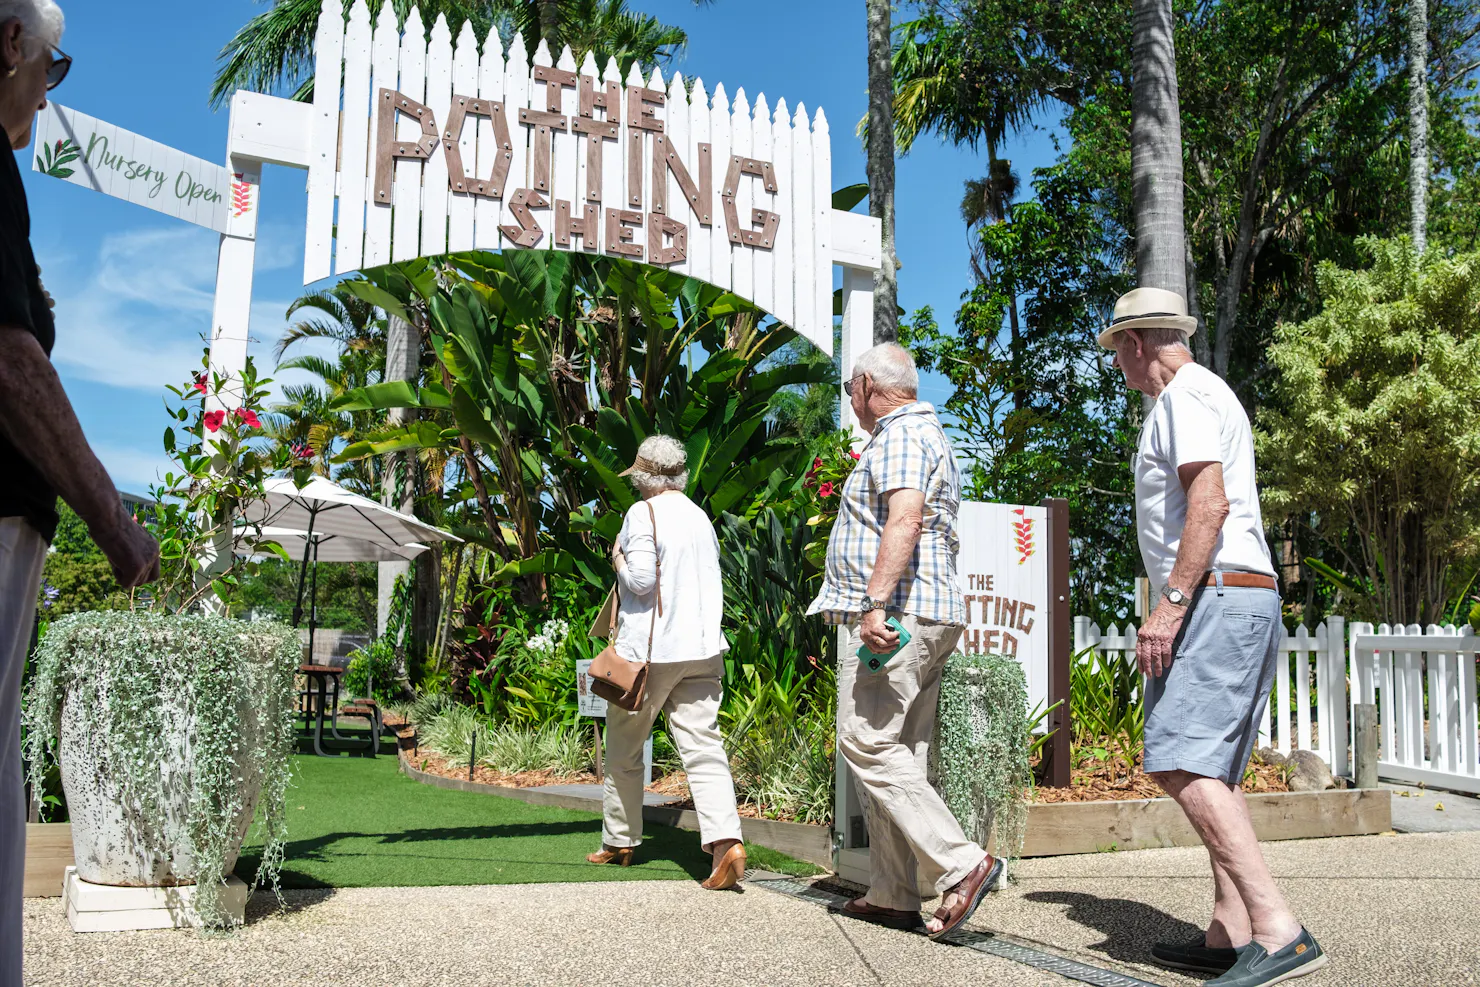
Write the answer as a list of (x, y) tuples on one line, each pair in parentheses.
[(1060, 637)]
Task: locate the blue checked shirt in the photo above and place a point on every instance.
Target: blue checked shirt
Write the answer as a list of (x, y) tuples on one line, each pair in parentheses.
[(909, 451)]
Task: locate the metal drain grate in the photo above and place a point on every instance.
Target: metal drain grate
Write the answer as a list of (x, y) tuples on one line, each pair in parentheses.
[(982, 942)]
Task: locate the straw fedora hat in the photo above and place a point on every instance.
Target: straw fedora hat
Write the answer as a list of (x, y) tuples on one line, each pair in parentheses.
[(1148, 308)]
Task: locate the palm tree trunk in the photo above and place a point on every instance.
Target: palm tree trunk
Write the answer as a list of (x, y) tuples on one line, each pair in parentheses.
[(1418, 120), (1156, 150), (881, 166), (402, 350)]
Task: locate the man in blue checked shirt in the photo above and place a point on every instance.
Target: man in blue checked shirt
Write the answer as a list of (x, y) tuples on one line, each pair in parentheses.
[(893, 554)]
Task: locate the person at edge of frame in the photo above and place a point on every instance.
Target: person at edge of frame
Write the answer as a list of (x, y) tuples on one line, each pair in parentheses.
[(1209, 647), (42, 449)]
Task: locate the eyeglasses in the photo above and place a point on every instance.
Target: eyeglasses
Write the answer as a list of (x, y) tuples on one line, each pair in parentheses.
[(848, 385), (61, 64)]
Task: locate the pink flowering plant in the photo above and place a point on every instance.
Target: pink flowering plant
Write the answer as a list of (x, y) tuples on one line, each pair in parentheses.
[(822, 489), (221, 461)]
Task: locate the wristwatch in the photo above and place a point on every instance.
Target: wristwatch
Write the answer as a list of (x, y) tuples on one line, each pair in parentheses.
[(869, 603), (1175, 597)]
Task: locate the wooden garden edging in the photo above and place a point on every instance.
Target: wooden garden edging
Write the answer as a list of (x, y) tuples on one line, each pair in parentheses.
[(804, 842), (1090, 827), (1054, 829), (48, 855)]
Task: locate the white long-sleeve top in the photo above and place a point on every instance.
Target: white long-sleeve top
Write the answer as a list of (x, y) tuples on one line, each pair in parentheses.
[(693, 594)]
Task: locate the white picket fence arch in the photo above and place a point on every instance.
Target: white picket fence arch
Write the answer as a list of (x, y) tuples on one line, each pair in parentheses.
[(495, 149)]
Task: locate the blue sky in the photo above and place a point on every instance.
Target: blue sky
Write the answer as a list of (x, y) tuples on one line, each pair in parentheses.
[(134, 288)]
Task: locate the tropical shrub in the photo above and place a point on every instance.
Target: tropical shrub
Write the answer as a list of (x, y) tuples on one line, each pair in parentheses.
[(379, 661)]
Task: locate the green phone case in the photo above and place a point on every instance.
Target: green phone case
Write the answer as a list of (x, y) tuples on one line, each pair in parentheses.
[(873, 661)]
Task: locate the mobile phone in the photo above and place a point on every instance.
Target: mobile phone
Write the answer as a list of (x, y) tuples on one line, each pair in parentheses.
[(873, 660)]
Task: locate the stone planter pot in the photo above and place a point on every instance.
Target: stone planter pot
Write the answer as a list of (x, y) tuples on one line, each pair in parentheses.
[(112, 840), (118, 841)]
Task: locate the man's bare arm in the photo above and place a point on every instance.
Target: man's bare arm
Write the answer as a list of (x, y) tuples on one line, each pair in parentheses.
[(1207, 509), (37, 418), (896, 549)]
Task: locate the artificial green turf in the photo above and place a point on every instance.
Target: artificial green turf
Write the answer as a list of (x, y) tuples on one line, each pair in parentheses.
[(358, 822)]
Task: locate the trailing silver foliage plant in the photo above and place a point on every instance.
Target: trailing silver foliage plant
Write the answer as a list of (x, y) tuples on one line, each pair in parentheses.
[(980, 758), (145, 687)]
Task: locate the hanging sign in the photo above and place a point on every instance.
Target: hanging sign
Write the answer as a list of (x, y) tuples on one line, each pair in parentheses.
[(1003, 570), (86, 151), (425, 144)]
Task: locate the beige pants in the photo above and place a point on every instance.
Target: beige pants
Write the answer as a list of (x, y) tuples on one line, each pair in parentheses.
[(22, 553), (689, 692), (886, 721)]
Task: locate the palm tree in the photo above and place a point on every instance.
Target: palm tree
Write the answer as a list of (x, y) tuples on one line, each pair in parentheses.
[(880, 166), (303, 419), (1418, 120), (273, 52), (1156, 150)]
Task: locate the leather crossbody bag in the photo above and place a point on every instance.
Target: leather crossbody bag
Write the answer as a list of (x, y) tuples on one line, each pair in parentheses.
[(614, 678)]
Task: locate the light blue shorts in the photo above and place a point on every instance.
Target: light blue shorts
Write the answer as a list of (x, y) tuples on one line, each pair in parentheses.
[(1203, 714)]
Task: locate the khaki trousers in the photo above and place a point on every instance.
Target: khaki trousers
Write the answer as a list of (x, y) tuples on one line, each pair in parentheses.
[(689, 692), (886, 722), (22, 553)]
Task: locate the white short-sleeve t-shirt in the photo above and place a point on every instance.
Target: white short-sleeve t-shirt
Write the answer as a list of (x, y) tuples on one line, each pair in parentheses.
[(1197, 419)]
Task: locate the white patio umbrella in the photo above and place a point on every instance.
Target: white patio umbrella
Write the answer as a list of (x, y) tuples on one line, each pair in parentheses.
[(324, 512)]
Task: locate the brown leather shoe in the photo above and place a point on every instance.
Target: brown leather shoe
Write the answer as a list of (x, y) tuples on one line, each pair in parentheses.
[(728, 872), (619, 855), (970, 891)]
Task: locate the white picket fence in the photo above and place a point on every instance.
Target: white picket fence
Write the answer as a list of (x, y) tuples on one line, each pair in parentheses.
[(1422, 681), (507, 107), (1310, 666)]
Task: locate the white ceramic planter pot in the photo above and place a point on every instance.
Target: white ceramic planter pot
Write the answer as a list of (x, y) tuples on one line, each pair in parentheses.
[(128, 845)]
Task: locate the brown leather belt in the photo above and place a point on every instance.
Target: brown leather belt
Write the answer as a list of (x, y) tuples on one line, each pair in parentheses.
[(1250, 579)]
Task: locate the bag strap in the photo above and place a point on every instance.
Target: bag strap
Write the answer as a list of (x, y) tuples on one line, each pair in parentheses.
[(657, 581)]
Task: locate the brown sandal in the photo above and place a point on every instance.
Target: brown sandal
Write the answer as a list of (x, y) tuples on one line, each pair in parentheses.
[(619, 855), (971, 889), (890, 918)]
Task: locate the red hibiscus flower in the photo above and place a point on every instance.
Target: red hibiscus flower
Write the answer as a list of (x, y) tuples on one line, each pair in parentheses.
[(200, 383), (213, 420), (856, 456), (249, 416), (826, 490)]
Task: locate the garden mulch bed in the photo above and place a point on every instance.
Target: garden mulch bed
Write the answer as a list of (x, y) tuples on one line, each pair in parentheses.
[(1103, 783)]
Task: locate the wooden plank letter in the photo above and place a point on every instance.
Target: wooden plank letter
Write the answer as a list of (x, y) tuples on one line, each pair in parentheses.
[(387, 147), (528, 232), (765, 237), (660, 226), (619, 225), (666, 159), (583, 225), (457, 174)]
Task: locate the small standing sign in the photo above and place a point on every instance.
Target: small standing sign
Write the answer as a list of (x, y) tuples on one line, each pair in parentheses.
[(590, 704)]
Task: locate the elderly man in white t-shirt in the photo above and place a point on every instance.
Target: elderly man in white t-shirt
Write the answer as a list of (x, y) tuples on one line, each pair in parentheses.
[(1209, 648)]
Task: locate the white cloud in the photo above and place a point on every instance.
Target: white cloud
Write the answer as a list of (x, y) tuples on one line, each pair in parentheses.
[(139, 313)]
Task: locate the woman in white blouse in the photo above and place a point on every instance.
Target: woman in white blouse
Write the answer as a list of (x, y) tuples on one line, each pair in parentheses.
[(681, 568)]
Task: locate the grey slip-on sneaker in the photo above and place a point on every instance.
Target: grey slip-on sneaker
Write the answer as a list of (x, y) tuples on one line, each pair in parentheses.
[(1194, 955), (1256, 967)]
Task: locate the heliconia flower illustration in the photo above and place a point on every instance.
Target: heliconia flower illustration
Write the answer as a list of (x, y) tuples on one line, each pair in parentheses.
[(213, 420), (1022, 530)]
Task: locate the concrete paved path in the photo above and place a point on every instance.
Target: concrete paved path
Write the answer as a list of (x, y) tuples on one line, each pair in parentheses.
[(1395, 910), (1420, 810)]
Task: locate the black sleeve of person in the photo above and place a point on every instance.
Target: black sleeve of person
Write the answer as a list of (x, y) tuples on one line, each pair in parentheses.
[(22, 303)]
